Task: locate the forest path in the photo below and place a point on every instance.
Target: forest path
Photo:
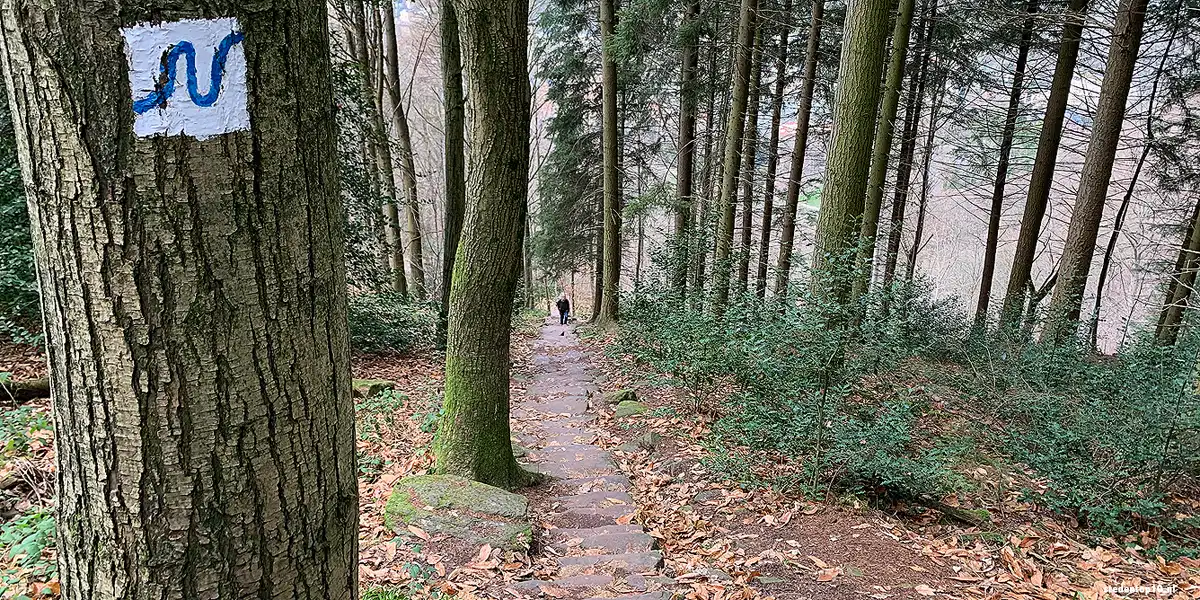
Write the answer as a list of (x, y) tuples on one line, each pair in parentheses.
[(599, 550)]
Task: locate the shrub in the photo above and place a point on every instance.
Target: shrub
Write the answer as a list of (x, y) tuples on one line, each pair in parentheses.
[(385, 322)]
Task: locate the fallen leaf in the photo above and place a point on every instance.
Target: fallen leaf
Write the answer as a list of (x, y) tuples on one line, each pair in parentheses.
[(827, 574), (417, 531), (924, 590)]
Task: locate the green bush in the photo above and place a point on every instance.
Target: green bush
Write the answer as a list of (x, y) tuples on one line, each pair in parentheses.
[(385, 322)]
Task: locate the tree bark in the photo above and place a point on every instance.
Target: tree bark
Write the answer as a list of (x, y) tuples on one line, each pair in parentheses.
[(455, 162), (473, 437), (408, 169), (610, 303), (787, 230), (381, 153), (883, 145), (1127, 199), (764, 248), (1006, 141), (912, 121), (923, 201), (855, 110), (685, 159), (1080, 245), (735, 128), (749, 158), (194, 297), (1038, 197), (1179, 289)]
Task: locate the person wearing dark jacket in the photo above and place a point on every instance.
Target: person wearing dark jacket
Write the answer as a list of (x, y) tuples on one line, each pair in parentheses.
[(564, 309)]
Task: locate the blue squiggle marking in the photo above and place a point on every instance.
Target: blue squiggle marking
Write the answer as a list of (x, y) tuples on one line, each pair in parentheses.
[(166, 87)]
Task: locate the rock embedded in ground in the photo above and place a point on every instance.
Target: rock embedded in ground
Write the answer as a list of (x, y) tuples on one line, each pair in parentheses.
[(460, 508), (629, 408), (369, 388), (620, 396)]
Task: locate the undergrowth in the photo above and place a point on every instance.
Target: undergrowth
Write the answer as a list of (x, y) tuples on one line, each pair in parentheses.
[(842, 392)]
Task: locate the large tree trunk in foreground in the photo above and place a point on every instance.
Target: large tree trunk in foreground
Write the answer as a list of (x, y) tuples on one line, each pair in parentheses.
[(1078, 250), (1006, 141), (735, 127), (882, 149), (610, 303), (849, 160), (193, 292), (455, 162), (1183, 279), (749, 156), (473, 438), (787, 230), (408, 169), (685, 161), (1040, 180), (764, 247)]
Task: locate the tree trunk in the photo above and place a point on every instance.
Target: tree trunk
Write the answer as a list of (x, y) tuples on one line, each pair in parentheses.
[(408, 170), (764, 248), (381, 153), (923, 201), (703, 204), (855, 109), (598, 269), (749, 157), (609, 305), (883, 144), (193, 292), (1006, 141), (1094, 178), (912, 121), (735, 127), (1183, 278), (685, 160), (473, 437), (455, 163), (787, 230), (1040, 180), (1126, 200)]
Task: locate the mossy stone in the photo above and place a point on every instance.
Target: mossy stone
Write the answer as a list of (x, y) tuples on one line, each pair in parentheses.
[(629, 408), (369, 388), (620, 396), (460, 508)]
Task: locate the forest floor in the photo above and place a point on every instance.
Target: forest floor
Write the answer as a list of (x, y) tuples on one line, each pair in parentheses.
[(718, 540)]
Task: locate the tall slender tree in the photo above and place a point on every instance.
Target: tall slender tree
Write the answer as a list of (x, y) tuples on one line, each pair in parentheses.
[(749, 160), (394, 106), (610, 300), (781, 52), (1037, 198), (882, 149), (735, 128), (1180, 283), (912, 119), (685, 160), (473, 439), (194, 301), (787, 229), (1006, 143), (1094, 178), (855, 109), (454, 163)]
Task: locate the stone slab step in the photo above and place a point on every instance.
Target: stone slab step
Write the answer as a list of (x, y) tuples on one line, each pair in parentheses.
[(613, 529), (614, 543), (650, 596), (603, 482), (634, 562), (598, 498), (590, 583)]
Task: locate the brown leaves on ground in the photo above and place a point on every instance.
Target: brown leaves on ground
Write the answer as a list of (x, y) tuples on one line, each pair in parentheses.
[(723, 541)]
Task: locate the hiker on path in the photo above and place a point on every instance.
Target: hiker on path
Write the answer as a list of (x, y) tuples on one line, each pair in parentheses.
[(564, 308)]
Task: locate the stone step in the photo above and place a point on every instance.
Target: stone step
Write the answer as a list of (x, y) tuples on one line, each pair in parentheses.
[(649, 596), (577, 583), (613, 543), (586, 532), (597, 498), (634, 562), (603, 482)]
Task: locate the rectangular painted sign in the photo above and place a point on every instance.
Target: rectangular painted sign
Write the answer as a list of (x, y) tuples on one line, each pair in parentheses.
[(188, 77)]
